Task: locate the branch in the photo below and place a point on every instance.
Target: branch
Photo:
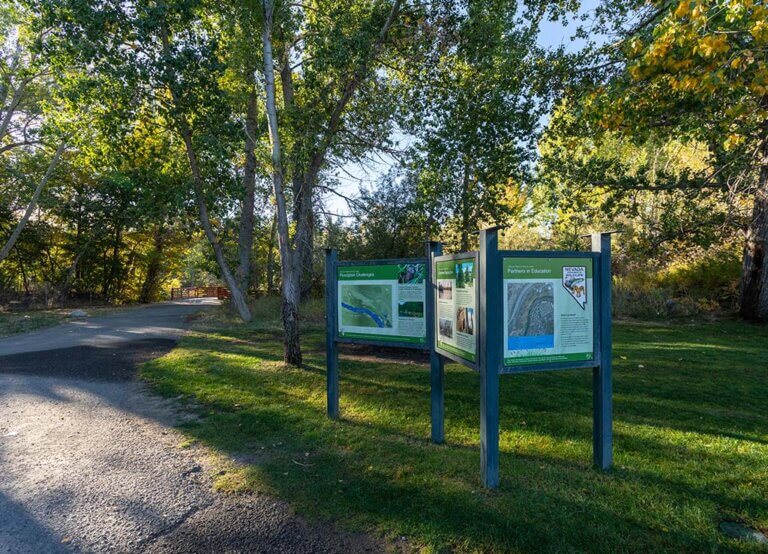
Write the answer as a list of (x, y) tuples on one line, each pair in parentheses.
[(349, 200)]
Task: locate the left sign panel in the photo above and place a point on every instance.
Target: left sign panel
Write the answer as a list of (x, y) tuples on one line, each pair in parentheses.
[(383, 302)]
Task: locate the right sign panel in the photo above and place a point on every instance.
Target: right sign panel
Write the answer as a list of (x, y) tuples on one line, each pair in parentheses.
[(548, 310)]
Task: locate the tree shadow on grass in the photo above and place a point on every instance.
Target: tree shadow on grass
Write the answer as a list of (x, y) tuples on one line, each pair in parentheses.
[(375, 468)]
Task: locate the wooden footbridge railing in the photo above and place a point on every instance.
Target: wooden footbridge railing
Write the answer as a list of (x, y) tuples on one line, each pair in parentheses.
[(199, 292)]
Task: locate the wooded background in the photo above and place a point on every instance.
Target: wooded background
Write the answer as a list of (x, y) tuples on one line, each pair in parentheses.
[(150, 144)]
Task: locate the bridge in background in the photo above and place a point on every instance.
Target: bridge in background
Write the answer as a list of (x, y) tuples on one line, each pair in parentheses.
[(180, 293)]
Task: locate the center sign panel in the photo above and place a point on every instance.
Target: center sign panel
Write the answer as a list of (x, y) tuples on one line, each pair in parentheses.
[(548, 310), (383, 302), (456, 317)]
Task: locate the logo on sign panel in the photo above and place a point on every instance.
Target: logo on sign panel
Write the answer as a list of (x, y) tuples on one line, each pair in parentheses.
[(575, 282)]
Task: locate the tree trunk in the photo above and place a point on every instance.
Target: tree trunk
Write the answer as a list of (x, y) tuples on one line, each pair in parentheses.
[(32, 203), (245, 238), (464, 210), (291, 298), (289, 270), (294, 251), (301, 186), (114, 264), (271, 257), (149, 286), (236, 295), (72, 272), (753, 301)]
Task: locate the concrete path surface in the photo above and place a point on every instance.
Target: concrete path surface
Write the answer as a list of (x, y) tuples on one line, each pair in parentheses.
[(90, 461)]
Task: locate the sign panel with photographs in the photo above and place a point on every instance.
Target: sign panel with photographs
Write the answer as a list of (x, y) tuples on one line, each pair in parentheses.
[(382, 302), (456, 310), (548, 310)]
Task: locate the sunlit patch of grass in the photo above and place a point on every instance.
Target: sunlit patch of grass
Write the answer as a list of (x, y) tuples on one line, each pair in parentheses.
[(691, 438)]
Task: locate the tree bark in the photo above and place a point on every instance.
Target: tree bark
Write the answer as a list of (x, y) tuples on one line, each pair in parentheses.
[(288, 267), (245, 238), (32, 203), (271, 256), (236, 295), (753, 301)]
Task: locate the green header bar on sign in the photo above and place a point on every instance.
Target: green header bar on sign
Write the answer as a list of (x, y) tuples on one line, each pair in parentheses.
[(545, 268), (447, 269), (369, 272)]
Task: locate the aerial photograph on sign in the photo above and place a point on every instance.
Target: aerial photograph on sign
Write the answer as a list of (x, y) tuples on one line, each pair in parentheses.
[(531, 316), (366, 305)]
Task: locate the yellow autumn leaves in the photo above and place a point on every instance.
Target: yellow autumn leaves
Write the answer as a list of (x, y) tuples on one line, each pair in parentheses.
[(707, 53), (711, 45)]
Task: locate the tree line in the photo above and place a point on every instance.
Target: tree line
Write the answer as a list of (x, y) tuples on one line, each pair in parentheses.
[(146, 142)]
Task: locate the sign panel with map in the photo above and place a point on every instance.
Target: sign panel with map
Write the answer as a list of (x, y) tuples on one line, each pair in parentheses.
[(456, 307), (383, 302), (548, 310)]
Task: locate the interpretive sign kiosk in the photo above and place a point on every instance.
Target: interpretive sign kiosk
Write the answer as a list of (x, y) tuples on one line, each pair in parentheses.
[(380, 302), (543, 311), (496, 312)]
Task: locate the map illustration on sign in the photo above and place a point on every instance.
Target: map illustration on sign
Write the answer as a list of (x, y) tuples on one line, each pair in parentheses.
[(382, 302), (547, 313), (366, 305)]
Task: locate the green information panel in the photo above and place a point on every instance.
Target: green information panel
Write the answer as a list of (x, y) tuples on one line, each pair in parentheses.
[(548, 311), (455, 318), (383, 302)]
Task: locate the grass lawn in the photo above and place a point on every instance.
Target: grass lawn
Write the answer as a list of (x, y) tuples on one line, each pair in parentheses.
[(691, 440), (12, 323)]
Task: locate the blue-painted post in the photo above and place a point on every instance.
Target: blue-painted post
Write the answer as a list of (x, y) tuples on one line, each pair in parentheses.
[(602, 379), (436, 370), (331, 324), (489, 354)]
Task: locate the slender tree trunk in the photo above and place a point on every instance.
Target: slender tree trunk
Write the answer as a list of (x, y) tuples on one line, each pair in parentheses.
[(114, 264), (32, 203), (24, 279), (72, 272), (236, 295), (271, 256), (149, 286), (753, 301), (301, 186), (289, 270), (245, 238), (464, 209)]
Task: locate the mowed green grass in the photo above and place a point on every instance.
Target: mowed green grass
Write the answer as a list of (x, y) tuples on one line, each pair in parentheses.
[(691, 441), (12, 323)]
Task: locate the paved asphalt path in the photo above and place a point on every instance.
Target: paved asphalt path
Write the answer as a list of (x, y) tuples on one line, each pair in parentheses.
[(90, 461), (158, 321)]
